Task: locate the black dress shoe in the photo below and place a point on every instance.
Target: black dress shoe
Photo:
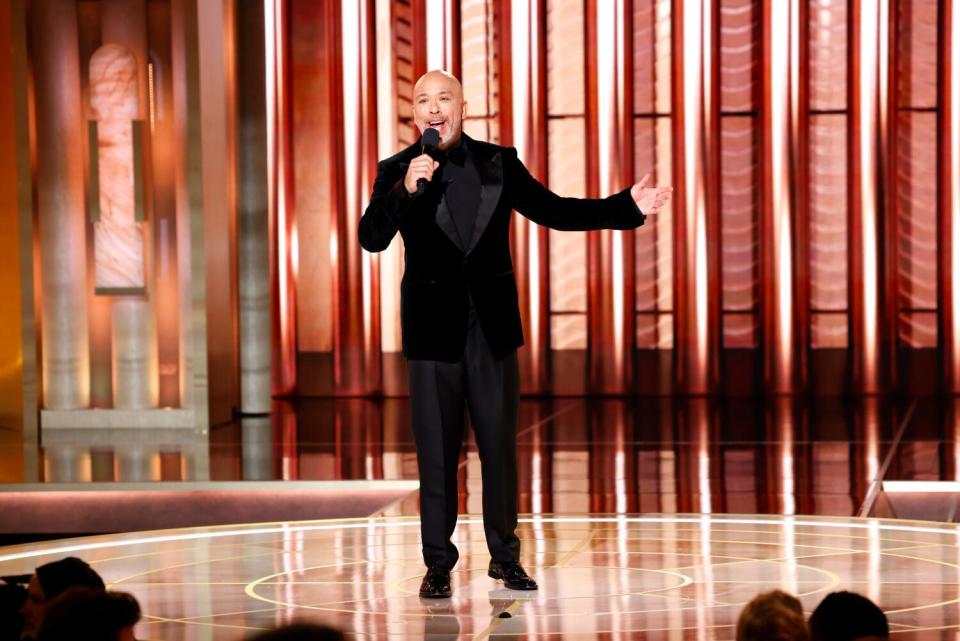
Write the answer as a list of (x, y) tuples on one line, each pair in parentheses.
[(512, 574), (436, 583)]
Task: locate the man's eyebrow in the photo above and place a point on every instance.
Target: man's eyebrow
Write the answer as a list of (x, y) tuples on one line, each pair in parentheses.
[(424, 93)]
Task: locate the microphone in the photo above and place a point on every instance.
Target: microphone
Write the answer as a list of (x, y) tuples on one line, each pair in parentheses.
[(430, 140)]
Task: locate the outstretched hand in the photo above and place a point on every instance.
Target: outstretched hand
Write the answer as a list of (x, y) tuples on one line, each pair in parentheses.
[(650, 199)]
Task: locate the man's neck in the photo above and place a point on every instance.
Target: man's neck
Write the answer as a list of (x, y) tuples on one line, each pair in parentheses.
[(452, 143)]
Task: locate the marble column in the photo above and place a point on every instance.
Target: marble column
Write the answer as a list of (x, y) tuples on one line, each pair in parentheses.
[(137, 463), (256, 446), (191, 254), (253, 202), (66, 464), (60, 209), (118, 84)]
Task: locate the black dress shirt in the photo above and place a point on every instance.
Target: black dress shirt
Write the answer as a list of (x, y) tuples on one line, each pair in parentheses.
[(461, 188)]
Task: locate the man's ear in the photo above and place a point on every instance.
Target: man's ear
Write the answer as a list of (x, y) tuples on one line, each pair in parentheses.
[(463, 110)]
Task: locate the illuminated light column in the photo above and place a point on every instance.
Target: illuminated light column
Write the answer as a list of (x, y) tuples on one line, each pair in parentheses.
[(530, 250), (284, 230), (611, 254), (391, 260), (357, 335), (780, 48), (869, 68), (443, 31), (949, 101), (60, 209), (696, 170)]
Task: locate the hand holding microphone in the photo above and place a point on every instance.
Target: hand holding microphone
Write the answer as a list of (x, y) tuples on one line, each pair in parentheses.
[(420, 171)]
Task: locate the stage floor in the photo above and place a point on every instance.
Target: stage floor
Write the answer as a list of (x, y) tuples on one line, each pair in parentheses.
[(678, 576)]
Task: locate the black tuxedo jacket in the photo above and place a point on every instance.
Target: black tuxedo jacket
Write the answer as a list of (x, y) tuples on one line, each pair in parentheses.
[(441, 275)]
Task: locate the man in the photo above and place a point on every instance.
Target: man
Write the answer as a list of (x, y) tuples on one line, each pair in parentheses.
[(772, 615), (459, 314), (49, 581), (848, 616), (82, 614)]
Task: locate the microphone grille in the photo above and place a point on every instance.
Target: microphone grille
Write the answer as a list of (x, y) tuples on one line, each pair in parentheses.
[(431, 137)]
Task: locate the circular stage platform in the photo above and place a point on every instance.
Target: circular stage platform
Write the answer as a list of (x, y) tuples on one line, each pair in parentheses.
[(601, 576)]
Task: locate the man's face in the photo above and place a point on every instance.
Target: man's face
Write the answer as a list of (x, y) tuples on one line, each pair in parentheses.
[(438, 103), (33, 609)]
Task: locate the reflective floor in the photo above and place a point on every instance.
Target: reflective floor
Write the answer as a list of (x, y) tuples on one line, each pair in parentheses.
[(602, 576), (827, 457), (633, 518)]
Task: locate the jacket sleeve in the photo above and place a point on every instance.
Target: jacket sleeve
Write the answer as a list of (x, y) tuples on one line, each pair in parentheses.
[(388, 204), (546, 208)]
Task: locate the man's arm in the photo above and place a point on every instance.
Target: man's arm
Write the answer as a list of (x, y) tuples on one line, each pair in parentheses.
[(546, 208), (388, 203)]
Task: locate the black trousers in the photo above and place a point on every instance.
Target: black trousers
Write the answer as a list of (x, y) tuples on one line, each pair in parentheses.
[(491, 389)]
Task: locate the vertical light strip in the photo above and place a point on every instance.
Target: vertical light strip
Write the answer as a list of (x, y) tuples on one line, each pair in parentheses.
[(352, 108), (533, 238), (697, 141), (610, 71), (606, 72), (702, 276), (523, 45), (448, 40), (950, 180), (369, 262), (270, 88), (436, 32), (783, 87), (520, 52), (865, 183), (391, 264), (288, 257)]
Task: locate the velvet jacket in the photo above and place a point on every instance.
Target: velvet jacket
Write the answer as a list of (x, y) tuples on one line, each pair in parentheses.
[(441, 276)]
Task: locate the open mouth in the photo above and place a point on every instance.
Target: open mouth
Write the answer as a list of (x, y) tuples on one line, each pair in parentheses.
[(436, 124)]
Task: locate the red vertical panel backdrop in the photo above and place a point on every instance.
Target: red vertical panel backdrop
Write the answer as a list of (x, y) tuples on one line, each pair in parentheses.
[(679, 289)]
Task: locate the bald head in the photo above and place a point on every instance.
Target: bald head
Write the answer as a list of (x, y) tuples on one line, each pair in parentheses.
[(440, 76), (438, 102)]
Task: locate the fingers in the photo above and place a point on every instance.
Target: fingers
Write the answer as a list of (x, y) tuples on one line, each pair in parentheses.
[(643, 181), (422, 166), (652, 199)]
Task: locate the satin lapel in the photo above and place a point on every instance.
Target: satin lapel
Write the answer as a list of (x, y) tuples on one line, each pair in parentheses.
[(443, 217), (445, 222), (491, 186)]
